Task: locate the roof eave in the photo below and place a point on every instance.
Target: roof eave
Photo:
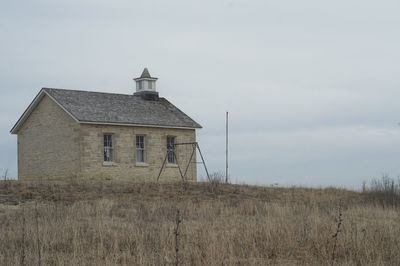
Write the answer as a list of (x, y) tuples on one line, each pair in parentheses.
[(139, 79), (137, 125)]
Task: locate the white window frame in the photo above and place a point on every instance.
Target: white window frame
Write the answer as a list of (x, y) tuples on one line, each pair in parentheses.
[(108, 148), (141, 149), (171, 150)]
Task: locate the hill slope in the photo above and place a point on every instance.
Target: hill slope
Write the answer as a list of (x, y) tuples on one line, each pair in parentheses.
[(107, 223)]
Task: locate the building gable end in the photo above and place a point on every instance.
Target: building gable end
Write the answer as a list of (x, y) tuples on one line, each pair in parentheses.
[(32, 107)]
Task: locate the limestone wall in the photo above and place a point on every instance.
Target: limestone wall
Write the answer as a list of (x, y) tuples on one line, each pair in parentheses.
[(48, 143), (124, 165)]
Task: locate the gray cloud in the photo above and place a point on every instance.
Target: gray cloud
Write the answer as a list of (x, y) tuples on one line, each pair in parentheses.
[(311, 86)]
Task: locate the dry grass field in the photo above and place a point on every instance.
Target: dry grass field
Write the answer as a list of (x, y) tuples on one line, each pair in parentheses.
[(109, 223)]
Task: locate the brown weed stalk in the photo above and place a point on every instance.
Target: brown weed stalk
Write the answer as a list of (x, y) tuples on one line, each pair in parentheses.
[(339, 224), (37, 234), (22, 257), (178, 221)]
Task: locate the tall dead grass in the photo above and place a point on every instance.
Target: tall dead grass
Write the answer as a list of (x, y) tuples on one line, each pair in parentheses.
[(108, 223)]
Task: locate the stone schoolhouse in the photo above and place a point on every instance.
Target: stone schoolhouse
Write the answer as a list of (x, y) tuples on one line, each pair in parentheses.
[(71, 133)]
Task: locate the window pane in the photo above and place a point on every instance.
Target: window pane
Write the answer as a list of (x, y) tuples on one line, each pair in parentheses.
[(140, 142), (140, 149), (171, 149), (171, 157), (140, 156), (108, 148)]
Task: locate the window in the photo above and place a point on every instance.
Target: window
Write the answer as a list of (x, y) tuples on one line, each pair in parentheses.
[(140, 149), (108, 148), (139, 85), (150, 85), (171, 149)]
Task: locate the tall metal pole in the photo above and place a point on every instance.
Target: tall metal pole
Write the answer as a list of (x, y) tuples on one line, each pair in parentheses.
[(226, 144)]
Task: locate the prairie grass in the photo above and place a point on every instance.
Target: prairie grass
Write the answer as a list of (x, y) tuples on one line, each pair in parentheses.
[(108, 223)]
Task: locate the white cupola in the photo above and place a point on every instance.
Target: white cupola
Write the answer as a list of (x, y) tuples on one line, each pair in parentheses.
[(146, 86), (145, 82)]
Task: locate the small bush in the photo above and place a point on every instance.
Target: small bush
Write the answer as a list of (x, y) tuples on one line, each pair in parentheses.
[(384, 190), (216, 179)]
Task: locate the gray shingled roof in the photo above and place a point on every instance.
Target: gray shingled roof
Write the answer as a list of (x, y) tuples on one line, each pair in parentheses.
[(145, 73), (97, 107)]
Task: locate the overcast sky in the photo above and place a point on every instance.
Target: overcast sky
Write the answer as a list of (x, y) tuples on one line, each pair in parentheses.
[(312, 87)]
